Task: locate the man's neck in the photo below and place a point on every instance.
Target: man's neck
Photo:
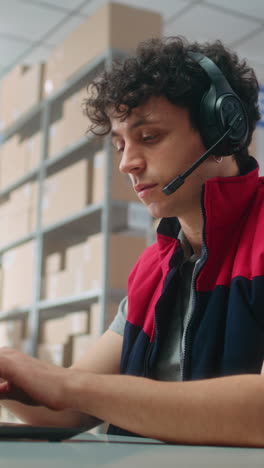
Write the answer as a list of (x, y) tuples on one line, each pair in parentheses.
[(192, 227), (192, 222)]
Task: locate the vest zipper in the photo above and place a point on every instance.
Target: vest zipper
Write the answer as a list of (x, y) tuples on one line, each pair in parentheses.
[(150, 345), (197, 269), (148, 354), (191, 314)]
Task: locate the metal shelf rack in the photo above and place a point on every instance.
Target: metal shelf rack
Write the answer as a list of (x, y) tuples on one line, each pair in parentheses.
[(106, 217)]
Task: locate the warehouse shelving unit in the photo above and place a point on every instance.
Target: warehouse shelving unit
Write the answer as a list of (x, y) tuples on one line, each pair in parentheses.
[(106, 217)]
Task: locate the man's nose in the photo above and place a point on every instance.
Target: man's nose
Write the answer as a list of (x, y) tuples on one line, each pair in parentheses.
[(132, 160)]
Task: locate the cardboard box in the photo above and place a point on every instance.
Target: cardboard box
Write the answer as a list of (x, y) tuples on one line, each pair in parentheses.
[(80, 346), (75, 255), (53, 263), (53, 331), (15, 225), (18, 213), (124, 251), (83, 266), (78, 322), (58, 330), (57, 285), (95, 317), (56, 353), (18, 276), (56, 138), (12, 333), (18, 157), (66, 192), (20, 90), (71, 126), (13, 163), (113, 25), (25, 196), (32, 148), (121, 187), (75, 122)]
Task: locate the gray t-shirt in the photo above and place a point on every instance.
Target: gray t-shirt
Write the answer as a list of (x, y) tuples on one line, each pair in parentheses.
[(168, 366)]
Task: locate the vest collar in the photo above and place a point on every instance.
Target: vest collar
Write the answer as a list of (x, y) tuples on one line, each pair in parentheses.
[(225, 201)]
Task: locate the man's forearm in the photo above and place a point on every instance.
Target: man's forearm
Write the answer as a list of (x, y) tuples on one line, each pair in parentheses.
[(226, 410)]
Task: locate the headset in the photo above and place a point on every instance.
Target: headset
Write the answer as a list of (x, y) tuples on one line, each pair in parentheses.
[(223, 120)]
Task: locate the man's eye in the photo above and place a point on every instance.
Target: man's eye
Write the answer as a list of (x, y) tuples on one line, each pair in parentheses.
[(149, 137)]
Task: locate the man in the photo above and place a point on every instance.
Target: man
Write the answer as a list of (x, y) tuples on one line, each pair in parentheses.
[(190, 335)]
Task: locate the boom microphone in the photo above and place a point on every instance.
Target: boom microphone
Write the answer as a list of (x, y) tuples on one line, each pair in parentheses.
[(172, 186)]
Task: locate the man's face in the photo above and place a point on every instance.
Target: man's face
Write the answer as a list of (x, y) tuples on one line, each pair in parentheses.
[(156, 143)]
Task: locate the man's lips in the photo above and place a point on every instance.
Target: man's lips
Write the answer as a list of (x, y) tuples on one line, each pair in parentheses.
[(142, 187)]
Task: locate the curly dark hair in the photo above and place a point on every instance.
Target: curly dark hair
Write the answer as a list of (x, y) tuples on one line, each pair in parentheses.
[(161, 67)]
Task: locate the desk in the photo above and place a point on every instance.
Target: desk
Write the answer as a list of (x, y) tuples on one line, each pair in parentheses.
[(87, 450)]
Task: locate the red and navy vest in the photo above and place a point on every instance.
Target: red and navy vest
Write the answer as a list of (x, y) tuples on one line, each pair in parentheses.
[(225, 334)]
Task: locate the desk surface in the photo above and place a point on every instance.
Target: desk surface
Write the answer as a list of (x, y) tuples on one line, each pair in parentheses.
[(87, 450)]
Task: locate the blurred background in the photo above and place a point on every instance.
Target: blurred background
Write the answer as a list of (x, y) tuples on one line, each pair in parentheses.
[(29, 29), (70, 226)]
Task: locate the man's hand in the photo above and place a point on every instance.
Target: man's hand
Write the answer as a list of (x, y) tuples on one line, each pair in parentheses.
[(31, 381), (28, 383)]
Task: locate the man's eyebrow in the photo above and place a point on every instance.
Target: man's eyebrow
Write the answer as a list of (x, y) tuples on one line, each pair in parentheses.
[(136, 124)]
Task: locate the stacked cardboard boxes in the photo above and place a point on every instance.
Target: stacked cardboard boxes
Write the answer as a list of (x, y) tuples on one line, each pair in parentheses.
[(18, 213), (66, 192), (65, 340), (81, 343), (20, 90), (56, 337), (82, 268), (71, 124), (113, 26), (31, 148), (77, 268), (58, 330), (18, 157), (17, 277), (13, 164)]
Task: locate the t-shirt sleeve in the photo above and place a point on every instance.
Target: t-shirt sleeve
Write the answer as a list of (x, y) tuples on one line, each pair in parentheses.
[(119, 321)]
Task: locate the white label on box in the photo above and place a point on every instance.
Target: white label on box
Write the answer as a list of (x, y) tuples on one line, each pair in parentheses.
[(48, 86)]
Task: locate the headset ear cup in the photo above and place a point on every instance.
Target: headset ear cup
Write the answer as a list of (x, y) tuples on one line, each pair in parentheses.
[(211, 128), (228, 107), (215, 117), (219, 108)]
